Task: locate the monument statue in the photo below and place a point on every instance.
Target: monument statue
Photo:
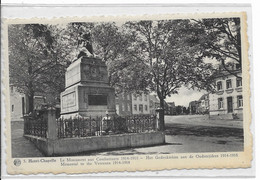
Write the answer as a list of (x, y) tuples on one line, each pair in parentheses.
[(85, 45), (87, 90)]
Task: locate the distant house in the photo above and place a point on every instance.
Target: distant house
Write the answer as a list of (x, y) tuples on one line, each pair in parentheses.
[(154, 103), (132, 103), (227, 101), (124, 104), (203, 104), (193, 107), (140, 103), (171, 108), (18, 104)]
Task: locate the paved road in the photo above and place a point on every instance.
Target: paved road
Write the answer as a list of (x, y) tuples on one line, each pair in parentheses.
[(184, 134), (202, 120), (183, 139), (193, 134), (22, 147)]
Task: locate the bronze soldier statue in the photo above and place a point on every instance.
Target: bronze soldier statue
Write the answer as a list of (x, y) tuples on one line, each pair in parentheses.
[(85, 45)]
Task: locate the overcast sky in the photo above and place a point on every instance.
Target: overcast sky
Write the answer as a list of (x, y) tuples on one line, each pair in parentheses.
[(185, 96)]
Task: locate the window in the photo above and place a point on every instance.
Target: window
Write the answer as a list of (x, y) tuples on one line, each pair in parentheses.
[(141, 97), (123, 107), (219, 85), (141, 108), (229, 84), (146, 108), (129, 108), (145, 97), (12, 89), (12, 108), (239, 101), (135, 96), (220, 103), (135, 107), (128, 97), (239, 82)]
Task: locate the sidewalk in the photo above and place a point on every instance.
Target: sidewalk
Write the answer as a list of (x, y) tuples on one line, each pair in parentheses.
[(22, 147)]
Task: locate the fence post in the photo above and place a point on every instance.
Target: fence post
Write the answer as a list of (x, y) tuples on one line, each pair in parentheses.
[(158, 120), (51, 125), (25, 125)]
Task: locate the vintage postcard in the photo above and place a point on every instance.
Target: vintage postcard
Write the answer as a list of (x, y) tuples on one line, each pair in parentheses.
[(137, 93)]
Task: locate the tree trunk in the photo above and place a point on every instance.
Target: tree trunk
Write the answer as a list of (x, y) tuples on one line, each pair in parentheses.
[(238, 44), (30, 98), (161, 115), (30, 89), (30, 103), (109, 79)]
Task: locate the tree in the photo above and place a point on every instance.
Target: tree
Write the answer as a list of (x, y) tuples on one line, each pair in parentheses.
[(219, 38), (107, 40), (30, 46), (110, 44), (74, 34), (37, 55), (179, 110), (168, 57)]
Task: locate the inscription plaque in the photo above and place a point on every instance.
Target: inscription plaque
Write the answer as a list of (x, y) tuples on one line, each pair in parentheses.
[(69, 100), (97, 100)]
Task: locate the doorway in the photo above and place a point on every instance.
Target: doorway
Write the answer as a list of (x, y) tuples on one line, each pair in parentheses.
[(230, 104)]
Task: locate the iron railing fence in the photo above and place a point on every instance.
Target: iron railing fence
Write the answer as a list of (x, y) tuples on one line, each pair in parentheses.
[(96, 126), (36, 126), (90, 126), (141, 123)]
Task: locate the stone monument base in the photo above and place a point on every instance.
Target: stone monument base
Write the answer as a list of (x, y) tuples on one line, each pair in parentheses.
[(87, 90), (88, 101)]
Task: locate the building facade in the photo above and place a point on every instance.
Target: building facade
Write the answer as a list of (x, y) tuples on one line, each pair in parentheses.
[(140, 103), (154, 104), (227, 101), (171, 109), (124, 104), (193, 107), (18, 105), (203, 104), (131, 104)]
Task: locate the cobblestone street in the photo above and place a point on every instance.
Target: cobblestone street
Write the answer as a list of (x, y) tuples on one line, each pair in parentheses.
[(184, 134)]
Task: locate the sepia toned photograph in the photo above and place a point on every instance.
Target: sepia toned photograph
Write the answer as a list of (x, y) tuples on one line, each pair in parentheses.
[(115, 91)]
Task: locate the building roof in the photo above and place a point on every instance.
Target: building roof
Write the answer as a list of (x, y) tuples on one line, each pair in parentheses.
[(203, 96), (193, 103), (222, 73), (154, 99), (171, 104)]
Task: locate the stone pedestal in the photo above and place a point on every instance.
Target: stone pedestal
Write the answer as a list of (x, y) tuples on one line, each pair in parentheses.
[(87, 90)]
